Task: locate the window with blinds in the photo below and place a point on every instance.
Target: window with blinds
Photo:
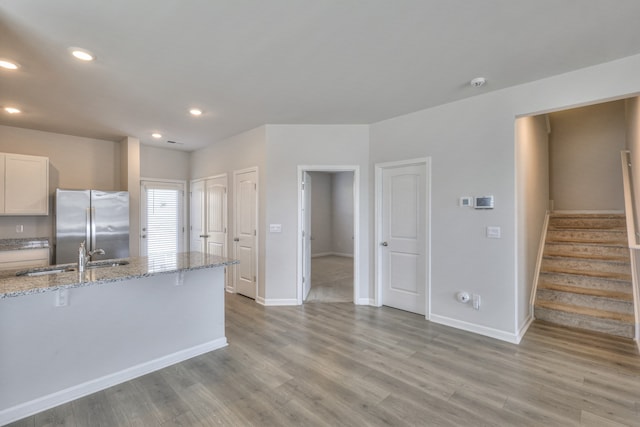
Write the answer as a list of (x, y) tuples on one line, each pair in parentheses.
[(163, 223)]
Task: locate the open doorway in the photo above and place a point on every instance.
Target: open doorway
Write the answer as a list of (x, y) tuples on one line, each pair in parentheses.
[(328, 249)]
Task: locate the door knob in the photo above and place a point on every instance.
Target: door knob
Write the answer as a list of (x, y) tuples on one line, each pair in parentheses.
[(384, 244), (204, 235)]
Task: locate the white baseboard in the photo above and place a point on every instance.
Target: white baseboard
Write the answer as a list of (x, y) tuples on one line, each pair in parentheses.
[(523, 330), (365, 301), (342, 255), (260, 300), (472, 327), (283, 301), (230, 289), (321, 254), (75, 392)]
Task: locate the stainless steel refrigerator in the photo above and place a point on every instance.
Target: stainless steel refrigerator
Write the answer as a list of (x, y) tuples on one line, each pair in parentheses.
[(99, 218)]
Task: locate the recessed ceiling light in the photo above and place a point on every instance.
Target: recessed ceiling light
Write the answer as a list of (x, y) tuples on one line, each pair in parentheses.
[(195, 112), (12, 110), (8, 65), (82, 54), (156, 135), (478, 81)]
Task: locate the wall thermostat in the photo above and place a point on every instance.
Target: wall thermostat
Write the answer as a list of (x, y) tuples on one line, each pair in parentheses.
[(484, 202)]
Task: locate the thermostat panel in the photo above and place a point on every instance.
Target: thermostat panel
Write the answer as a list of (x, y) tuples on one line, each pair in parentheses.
[(484, 202)]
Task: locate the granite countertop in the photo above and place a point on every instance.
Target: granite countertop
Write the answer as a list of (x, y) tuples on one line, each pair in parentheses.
[(24, 243), (138, 267)]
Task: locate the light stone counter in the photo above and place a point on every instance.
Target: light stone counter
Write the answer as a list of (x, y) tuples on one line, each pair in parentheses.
[(138, 267)]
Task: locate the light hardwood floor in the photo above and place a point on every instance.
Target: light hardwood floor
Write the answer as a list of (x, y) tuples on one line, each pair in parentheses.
[(331, 279), (339, 364)]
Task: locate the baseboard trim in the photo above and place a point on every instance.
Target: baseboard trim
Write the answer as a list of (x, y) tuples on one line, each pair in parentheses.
[(260, 300), (472, 327), (523, 330), (75, 392), (366, 301), (583, 211), (230, 289), (321, 254), (283, 301)]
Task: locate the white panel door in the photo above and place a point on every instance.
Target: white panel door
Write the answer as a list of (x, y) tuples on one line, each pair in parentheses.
[(306, 235), (197, 215), (216, 216), (403, 245), (245, 231)]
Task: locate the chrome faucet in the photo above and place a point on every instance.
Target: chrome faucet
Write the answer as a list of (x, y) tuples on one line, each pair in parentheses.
[(84, 256)]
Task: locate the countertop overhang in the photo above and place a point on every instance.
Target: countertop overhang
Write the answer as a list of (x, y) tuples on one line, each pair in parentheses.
[(138, 267)]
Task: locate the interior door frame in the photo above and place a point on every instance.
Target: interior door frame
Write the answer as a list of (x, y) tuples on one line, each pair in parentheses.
[(232, 287), (379, 167), (185, 242), (356, 224)]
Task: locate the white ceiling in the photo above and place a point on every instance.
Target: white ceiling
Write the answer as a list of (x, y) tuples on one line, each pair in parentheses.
[(251, 62)]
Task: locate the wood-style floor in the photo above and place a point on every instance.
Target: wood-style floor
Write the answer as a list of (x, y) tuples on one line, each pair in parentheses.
[(337, 364), (331, 279)]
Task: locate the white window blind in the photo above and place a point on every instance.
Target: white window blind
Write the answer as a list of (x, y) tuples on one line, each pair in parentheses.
[(163, 218)]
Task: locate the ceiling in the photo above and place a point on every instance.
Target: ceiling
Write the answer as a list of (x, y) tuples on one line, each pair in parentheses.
[(250, 62)]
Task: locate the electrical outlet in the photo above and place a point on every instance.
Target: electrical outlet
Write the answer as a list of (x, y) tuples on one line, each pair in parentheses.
[(62, 297), (19, 228)]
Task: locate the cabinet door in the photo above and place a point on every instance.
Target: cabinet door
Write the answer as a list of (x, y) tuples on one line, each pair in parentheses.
[(26, 185)]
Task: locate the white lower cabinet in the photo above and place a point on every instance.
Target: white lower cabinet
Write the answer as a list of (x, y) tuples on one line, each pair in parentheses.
[(24, 258)]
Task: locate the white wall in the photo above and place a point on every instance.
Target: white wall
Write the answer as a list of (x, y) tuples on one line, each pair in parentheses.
[(532, 192), (287, 147), (471, 143), (238, 152), (164, 163), (584, 155), (321, 213), (342, 213), (332, 213)]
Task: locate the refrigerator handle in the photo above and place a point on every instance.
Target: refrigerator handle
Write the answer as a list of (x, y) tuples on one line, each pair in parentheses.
[(87, 232), (93, 229)]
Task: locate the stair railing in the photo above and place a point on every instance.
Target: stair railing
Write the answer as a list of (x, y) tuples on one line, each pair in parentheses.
[(632, 234)]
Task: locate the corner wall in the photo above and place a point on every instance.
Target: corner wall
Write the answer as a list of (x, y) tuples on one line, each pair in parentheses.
[(532, 198), (471, 143), (241, 151), (289, 146)]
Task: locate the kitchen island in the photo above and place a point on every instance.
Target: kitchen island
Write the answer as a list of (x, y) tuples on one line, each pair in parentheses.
[(69, 334)]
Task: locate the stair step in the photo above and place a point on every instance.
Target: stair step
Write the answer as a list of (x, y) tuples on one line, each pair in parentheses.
[(587, 267), (586, 311), (587, 282), (581, 321), (600, 274), (607, 237), (603, 303), (587, 251), (605, 293), (587, 221)]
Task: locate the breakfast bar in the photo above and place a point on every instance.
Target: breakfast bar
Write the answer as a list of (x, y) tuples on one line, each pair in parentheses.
[(66, 333)]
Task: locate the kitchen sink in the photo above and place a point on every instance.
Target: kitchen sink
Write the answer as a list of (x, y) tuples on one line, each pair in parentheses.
[(45, 271), (106, 263), (56, 269)]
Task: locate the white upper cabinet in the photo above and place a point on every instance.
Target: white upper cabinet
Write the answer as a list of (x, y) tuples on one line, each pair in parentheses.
[(25, 189)]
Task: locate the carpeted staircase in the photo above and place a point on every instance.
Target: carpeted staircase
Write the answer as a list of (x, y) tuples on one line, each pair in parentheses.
[(585, 275)]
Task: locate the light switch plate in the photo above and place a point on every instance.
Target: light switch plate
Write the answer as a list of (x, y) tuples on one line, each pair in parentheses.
[(493, 232), (275, 228)]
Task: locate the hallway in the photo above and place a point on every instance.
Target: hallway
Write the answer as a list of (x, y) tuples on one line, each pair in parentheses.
[(331, 279)]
